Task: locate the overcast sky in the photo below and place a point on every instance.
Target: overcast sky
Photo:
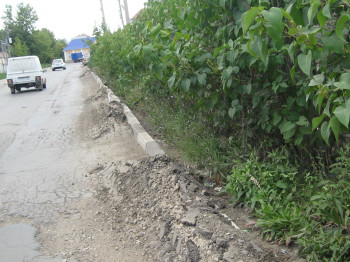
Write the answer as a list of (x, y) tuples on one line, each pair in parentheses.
[(69, 18)]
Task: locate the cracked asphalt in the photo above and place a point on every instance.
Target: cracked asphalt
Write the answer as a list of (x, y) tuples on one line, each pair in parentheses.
[(44, 162), (36, 173)]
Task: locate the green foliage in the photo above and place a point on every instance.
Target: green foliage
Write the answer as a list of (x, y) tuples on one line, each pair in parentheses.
[(311, 210), (26, 39), (22, 24), (270, 73), (247, 65), (19, 48)]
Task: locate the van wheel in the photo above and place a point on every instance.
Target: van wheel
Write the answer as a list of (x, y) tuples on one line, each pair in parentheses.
[(13, 90)]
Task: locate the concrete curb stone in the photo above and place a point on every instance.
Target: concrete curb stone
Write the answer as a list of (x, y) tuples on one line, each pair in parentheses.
[(148, 144)]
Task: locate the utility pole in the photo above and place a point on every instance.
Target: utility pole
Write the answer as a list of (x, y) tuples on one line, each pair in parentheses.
[(127, 18), (121, 13), (8, 42), (103, 16)]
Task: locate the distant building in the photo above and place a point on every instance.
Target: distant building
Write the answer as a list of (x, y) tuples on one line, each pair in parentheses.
[(79, 44), (136, 15)]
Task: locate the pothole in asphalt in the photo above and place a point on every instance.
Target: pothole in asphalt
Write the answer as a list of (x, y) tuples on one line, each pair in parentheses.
[(17, 243)]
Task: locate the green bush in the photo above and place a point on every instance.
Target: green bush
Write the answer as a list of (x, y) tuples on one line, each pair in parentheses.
[(270, 77), (312, 211), (274, 69)]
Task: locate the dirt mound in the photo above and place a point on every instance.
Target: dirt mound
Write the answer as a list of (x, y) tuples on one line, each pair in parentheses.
[(162, 209)]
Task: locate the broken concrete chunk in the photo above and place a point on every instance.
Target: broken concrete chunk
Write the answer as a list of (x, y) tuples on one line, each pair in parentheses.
[(204, 232), (192, 250), (164, 229), (190, 218), (178, 246)]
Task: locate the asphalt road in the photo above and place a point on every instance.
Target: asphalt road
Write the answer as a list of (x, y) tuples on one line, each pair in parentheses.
[(37, 146), (42, 160)]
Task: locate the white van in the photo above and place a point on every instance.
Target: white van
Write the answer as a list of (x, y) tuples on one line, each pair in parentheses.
[(25, 71)]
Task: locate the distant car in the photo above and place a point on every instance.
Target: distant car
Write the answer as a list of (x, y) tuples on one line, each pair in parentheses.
[(58, 63), (25, 71)]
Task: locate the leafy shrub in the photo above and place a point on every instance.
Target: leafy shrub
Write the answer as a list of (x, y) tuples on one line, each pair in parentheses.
[(313, 211), (272, 76), (269, 68)]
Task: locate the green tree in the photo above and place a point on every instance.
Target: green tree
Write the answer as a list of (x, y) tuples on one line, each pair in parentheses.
[(42, 43), (19, 48), (26, 39), (59, 45), (23, 24)]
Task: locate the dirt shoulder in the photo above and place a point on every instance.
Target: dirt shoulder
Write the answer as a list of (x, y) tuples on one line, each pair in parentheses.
[(150, 208)]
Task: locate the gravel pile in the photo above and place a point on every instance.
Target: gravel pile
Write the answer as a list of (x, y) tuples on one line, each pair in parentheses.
[(161, 208)]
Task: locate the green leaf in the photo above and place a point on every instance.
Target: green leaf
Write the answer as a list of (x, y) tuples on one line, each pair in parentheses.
[(326, 11), (303, 121), (280, 184), (227, 72), (299, 139), (326, 109), (321, 18), (164, 33), (292, 72), (258, 48), (147, 49), (222, 3), (316, 197), (276, 118), (137, 49), (344, 82), (235, 69), (214, 99), (291, 50), (185, 84), (274, 18), (320, 98), (155, 29), (286, 126), (202, 79), (306, 130), (335, 126), (304, 62), (317, 121), (340, 26), (317, 80), (343, 115), (275, 87), (296, 13), (325, 132), (312, 10), (289, 134), (286, 15), (232, 112), (247, 88), (171, 81), (333, 43), (248, 18)]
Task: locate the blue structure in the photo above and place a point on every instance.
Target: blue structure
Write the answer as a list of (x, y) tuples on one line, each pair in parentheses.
[(80, 44)]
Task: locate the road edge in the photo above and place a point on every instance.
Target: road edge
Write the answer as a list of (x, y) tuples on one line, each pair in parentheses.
[(148, 144)]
